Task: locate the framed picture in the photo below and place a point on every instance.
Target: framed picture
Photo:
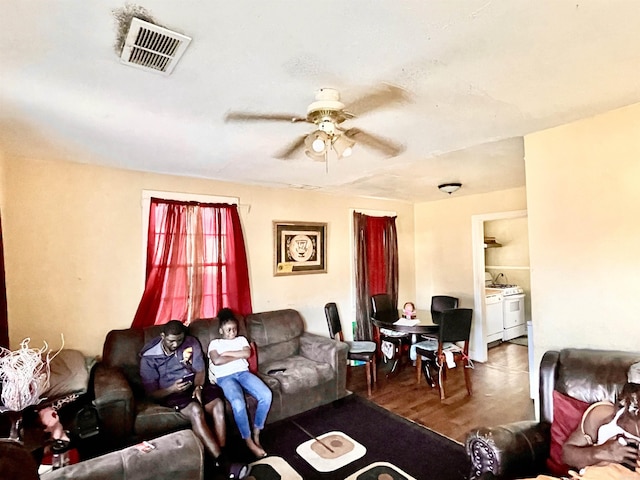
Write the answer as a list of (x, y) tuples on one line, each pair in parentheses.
[(300, 247)]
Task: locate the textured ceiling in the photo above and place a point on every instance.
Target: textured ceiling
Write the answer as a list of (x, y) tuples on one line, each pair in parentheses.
[(480, 76)]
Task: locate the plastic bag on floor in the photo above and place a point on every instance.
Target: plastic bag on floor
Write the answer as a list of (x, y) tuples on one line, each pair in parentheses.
[(388, 349)]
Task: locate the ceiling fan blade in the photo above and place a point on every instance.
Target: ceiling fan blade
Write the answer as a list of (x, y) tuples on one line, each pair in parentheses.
[(387, 147), (248, 116), (383, 95), (290, 150)]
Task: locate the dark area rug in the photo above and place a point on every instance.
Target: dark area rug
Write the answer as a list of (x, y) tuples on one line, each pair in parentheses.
[(418, 451)]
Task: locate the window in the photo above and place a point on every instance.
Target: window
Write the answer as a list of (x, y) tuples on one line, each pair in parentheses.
[(196, 262)]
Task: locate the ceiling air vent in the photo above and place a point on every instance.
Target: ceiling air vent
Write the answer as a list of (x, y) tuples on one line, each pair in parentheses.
[(153, 48)]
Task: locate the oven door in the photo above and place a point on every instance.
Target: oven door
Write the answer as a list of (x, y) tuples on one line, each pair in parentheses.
[(513, 316)]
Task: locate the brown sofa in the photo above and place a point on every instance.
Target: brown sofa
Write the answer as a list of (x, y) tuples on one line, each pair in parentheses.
[(315, 373), (521, 449), (176, 456)]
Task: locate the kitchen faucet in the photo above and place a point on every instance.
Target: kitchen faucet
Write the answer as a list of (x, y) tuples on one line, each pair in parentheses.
[(503, 276)]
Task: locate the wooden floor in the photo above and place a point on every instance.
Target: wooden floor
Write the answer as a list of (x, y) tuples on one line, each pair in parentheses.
[(500, 393)]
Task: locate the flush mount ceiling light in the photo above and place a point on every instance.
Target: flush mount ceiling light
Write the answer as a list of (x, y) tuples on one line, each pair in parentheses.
[(449, 187)]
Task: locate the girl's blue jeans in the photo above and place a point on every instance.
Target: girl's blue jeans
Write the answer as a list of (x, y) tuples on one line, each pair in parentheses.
[(232, 386)]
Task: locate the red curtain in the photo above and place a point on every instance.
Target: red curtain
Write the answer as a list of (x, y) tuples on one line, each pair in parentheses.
[(4, 320), (376, 262), (376, 258), (196, 263)]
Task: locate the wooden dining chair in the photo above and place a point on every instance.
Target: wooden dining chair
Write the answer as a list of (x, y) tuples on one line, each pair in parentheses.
[(361, 350), (455, 328), (384, 310)]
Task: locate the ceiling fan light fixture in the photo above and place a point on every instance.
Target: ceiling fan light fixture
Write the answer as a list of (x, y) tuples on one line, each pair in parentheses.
[(343, 146), (317, 141), (449, 187), (318, 157), (318, 145)]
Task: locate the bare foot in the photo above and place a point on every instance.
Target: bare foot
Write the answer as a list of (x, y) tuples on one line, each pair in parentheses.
[(256, 437), (255, 449)]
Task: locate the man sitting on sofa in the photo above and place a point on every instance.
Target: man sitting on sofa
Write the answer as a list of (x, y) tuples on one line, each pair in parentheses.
[(167, 367), (604, 446), (608, 434)]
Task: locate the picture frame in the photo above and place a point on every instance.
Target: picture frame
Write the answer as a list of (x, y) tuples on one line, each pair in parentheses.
[(299, 248)]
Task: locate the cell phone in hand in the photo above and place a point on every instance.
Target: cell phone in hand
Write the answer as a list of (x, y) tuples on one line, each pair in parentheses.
[(189, 377)]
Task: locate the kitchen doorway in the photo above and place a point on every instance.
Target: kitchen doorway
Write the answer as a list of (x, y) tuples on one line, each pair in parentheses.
[(509, 270)]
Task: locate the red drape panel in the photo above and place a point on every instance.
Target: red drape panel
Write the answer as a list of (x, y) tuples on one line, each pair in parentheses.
[(376, 258), (228, 277), (196, 263), (376, 266), (4, 321)]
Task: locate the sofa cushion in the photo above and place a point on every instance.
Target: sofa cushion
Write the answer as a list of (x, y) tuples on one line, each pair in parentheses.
[(153, 419), (277, 334), (300, 373), (567, 413), (69, 374)]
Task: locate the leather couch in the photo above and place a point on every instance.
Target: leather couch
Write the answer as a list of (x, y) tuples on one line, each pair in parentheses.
[(521, 449), (315, 374)]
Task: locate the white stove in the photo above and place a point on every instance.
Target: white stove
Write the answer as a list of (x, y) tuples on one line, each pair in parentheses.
[(505, 310), (505, 289)]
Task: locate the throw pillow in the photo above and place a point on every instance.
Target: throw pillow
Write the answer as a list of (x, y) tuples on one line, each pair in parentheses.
[(253, 358), (567, 414), (69, 374)]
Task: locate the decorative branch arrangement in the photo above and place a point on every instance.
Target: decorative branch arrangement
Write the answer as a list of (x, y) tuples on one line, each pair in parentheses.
[(24, 374)]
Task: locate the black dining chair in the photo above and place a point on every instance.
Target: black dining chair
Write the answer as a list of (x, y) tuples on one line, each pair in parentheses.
[(455, 327), (440, 303), (383, 310), (361, 350)]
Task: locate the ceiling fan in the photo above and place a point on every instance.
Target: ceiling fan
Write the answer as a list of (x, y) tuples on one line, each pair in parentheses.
[(327, 113)]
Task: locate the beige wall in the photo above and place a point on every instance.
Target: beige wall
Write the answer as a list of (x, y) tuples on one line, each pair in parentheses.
[(444, 255), (584, 232), (74, 255)]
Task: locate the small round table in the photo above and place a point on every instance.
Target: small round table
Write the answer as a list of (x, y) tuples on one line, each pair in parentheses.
[(425, 326)]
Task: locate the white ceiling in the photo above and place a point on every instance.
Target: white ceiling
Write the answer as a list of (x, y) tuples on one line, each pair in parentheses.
[(481, 75)]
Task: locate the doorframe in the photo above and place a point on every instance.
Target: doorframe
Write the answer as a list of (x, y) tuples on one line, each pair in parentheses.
[(478, 350)]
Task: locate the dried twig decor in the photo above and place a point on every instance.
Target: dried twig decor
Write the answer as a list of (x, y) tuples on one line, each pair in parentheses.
[(24, 374)]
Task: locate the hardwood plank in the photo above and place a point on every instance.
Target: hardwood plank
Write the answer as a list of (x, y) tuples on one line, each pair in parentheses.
[(500, 393)]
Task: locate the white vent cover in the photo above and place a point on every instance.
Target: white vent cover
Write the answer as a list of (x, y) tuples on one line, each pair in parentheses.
[(153, 48)]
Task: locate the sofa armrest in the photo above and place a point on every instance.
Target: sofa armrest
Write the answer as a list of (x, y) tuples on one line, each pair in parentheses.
[(513, 450), (114, 400), (324, 350), (177, 456)]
